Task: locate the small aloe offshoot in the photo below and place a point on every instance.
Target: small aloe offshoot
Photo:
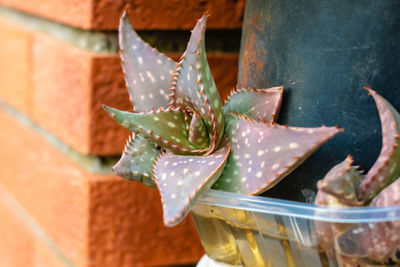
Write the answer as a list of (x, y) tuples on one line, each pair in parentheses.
[(344, 186), (189, 140)]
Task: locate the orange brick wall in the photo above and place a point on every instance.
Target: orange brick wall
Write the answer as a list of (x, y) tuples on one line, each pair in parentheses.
[(145, 14), (15, 82), (20, 245), (55, 212)]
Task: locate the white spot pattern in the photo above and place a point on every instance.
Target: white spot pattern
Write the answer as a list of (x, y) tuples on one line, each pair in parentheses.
[(275, 166), (151, 77), (293, 145)]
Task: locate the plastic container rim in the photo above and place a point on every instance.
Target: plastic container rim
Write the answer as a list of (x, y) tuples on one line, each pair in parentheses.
[(299, 210)]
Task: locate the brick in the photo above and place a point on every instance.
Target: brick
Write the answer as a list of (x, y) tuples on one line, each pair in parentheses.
[(70, 84), (72, 12), (15, 54), (62, 90), (138, 230), (93, 219), (15, 238), (108, 88), (44, 257), (175, 14), (145, 14), (19, 244), (62, 87)]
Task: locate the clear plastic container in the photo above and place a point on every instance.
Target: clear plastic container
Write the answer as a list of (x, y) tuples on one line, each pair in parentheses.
[(260, 231)]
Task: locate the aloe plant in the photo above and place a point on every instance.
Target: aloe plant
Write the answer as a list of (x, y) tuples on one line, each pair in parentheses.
[(185, 141), (345, 186)]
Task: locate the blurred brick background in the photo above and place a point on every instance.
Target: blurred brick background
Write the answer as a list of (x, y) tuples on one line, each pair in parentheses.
[(59, 203)]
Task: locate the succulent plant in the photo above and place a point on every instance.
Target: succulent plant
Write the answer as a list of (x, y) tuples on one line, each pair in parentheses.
[(345, 186), (185, 141)]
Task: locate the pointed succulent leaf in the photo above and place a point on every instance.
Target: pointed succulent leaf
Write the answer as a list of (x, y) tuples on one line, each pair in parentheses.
[(342, 181), (387, 167), (197, 132), (387, 247), (137, 160), (166, 128), (390, 196), (181, 179), (147, 72), (261, 104), (263, 154), (194, 86), (378, 241)]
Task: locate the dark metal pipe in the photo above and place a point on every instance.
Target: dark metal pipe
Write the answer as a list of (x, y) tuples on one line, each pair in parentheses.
[(324, 52)]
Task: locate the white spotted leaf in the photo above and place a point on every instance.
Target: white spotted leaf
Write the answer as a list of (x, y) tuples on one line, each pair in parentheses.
[(181, 179), (194, 86), (261, 104), (381, 240), (378, 241), (387, 167), (166, 128), (263, 154), (137, 160), (147, 72)]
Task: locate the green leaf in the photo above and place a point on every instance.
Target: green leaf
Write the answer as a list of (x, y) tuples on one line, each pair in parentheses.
[(137, 161), (166, 128)]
